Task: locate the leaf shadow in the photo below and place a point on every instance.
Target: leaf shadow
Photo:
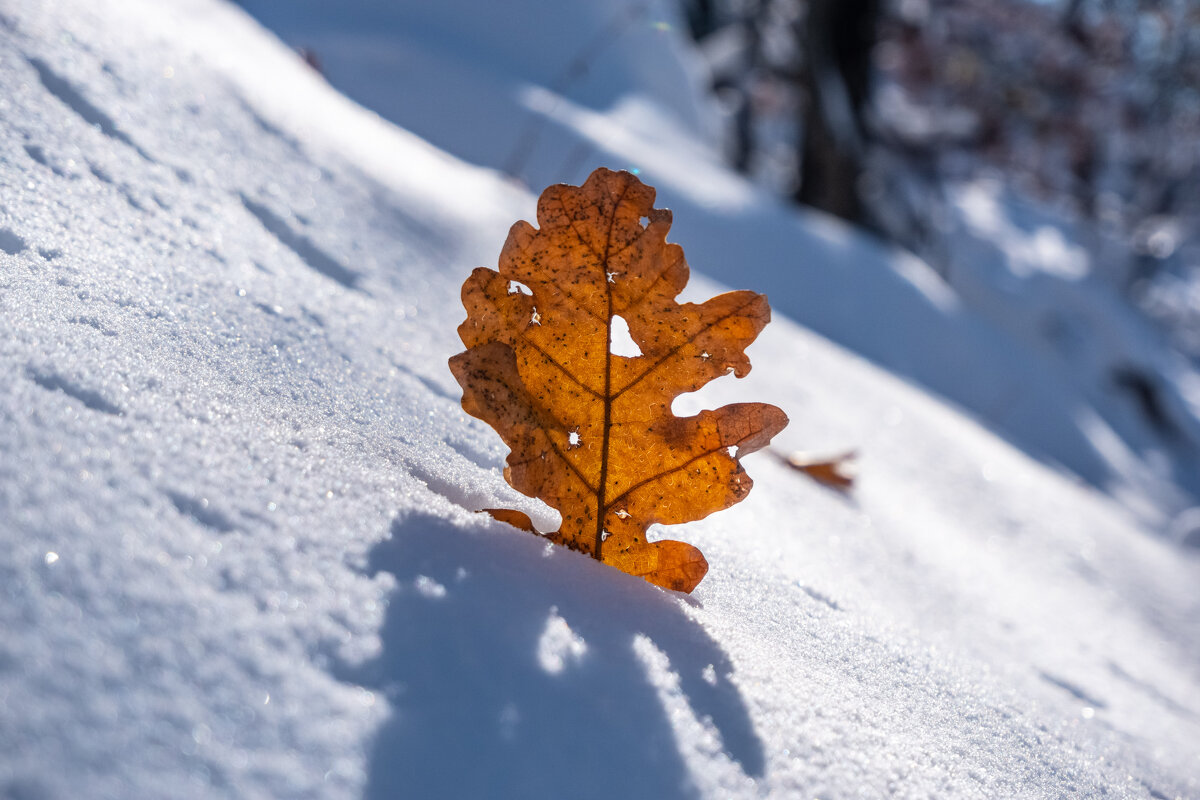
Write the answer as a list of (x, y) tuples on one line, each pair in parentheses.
[(478, 712)]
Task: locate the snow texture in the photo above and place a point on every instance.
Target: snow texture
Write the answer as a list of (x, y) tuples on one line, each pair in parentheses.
[(1021, 343), (239, 553)]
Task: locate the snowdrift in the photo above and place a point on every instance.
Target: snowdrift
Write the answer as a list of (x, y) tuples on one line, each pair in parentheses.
[(239, 547)]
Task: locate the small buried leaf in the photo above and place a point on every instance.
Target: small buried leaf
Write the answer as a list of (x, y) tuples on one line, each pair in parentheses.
[(837, 472)]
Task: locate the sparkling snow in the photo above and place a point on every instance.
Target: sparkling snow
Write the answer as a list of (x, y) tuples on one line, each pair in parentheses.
[(237, 506)]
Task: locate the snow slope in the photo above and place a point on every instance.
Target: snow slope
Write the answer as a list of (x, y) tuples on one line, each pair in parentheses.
[(547, 92), (238, 549)]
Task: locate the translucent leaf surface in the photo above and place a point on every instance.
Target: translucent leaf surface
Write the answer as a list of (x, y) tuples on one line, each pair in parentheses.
[(591, 432)]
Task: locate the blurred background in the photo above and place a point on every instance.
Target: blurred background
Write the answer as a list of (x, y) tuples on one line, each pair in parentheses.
[(874, 110)]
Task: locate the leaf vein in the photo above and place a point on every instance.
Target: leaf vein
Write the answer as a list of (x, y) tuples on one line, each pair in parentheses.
[(658, 476)]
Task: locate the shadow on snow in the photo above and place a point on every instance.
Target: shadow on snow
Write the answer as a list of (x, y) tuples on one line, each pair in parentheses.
[(490, 697)]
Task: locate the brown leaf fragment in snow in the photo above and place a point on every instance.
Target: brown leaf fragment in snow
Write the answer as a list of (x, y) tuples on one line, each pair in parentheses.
[(837, 472)]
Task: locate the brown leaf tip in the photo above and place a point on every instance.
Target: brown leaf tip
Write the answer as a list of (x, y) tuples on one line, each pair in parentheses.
[(591, 431), (518, 519)]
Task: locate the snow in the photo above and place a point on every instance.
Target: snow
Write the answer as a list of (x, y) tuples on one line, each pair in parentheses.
[(1030, 357), (240, 550)]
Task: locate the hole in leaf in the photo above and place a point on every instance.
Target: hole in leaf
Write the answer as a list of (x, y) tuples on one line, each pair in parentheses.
[(516, 287), (620, 342), (733, 450), (573, 439), (644, 221), (713, 395)]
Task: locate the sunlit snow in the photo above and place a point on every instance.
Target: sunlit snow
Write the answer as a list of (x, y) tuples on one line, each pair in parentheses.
[(242, 554)]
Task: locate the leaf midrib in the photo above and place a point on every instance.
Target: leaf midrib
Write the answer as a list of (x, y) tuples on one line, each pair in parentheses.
[(608, 398)]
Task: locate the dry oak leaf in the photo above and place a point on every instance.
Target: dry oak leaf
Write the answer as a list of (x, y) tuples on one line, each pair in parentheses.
[(591, 432)]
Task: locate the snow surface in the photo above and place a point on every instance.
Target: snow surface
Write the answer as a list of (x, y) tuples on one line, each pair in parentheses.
[(1021, 342), (237, 506)]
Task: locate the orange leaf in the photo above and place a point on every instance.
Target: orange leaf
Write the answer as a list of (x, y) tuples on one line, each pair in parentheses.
[(836, 472), (591, 432)]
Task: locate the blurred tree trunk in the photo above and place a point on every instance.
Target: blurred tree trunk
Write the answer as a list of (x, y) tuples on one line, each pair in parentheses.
[(838, 38), (701, 17)]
